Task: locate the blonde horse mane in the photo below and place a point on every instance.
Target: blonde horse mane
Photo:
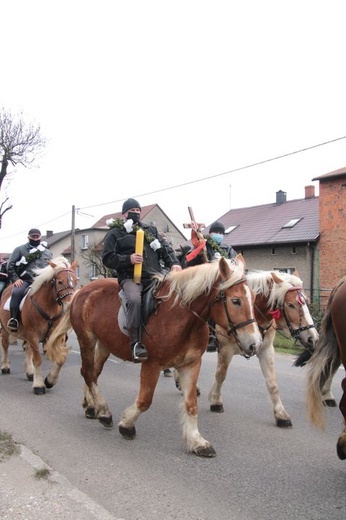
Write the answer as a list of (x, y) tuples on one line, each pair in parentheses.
[(261, 282), (46, 274), (198, 280)]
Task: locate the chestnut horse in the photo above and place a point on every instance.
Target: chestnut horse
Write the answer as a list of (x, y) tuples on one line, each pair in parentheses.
[(175, 334), (279, 295), (41, 310), (326, 358)]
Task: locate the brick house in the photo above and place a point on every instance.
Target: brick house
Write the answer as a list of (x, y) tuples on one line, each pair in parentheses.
[(332, 228)]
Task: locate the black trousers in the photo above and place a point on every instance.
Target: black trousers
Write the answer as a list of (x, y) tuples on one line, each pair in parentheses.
[(17, 294)]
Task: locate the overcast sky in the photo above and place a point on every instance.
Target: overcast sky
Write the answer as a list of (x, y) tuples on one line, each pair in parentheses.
[(137, 97)]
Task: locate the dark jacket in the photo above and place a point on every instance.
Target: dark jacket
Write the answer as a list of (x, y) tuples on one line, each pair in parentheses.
[(119, 245), (35, 258)]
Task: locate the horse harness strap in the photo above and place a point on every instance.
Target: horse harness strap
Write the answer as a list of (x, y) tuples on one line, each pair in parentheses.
[(50, 319), (221, 296)]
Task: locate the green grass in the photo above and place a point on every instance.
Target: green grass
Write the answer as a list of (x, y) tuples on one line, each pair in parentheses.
[(42, 473), (286, 346), (7, 446)]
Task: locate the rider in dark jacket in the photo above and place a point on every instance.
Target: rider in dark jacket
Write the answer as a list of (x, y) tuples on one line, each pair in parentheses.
[(119, 255), (21, 271)]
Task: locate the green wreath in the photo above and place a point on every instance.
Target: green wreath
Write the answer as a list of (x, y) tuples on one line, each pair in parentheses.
[(216, 246), (119, 223)]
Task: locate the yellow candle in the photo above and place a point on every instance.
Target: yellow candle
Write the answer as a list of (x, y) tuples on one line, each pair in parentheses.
[(137, 273)]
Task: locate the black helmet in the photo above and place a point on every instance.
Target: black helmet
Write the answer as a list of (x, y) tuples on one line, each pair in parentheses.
[(217, 227), (130, 203)]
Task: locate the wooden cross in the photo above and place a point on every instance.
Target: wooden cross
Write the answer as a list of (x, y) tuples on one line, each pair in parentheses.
[(198, 225)]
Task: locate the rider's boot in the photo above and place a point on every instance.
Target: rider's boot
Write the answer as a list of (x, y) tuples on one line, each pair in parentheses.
[(13, 323), (138, 350)]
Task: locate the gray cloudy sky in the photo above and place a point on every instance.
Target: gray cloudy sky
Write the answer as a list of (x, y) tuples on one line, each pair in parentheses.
[(136, 97)]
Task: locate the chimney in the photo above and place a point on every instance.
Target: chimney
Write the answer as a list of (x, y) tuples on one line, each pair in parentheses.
[(309, 192), (49, 234), (280, 197)]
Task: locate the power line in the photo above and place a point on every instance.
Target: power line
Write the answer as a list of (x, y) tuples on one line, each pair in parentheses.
[(223, 173)]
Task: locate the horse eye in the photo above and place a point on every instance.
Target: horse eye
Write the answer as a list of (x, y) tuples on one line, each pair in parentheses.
[(291, 305), (236, 301)]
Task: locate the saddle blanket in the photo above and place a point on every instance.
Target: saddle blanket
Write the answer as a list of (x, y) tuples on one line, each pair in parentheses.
[(8, 302)]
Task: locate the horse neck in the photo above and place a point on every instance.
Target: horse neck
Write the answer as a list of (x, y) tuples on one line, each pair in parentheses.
[(262, 310), (46, 295)]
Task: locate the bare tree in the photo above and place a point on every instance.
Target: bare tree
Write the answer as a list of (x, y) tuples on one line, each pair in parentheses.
[(20, 143), (93, 256)]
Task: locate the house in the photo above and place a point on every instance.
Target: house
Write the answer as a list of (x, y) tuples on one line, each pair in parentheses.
[(307, 235)]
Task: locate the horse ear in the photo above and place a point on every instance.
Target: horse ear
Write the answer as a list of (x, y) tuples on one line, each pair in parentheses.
[(276, 277), (241, 259), (224, 268), (295, 272), (52, 264), (74, 265)]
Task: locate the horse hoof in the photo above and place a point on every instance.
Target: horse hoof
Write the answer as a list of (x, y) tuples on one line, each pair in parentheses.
[(198, 391), (106, 421), (39, 390), (30, 377), (128, 433), (284, 423), (90, 412), (340, 451), (48, 384), (205, 451), (177, 385), (5, 371), (331, 403), (218, 408)]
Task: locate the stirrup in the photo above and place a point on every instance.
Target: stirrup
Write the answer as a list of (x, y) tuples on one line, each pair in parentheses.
[(139, 352), (13, 324)]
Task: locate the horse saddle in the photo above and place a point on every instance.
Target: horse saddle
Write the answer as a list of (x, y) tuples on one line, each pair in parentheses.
[(149, 305)]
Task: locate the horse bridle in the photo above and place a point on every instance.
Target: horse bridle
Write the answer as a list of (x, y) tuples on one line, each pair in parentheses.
[(58, 298), (232, 330), (301, 300)]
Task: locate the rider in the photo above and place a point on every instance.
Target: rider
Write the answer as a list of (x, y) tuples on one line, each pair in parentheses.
[(23, 262), (215, 248), (119, 255)]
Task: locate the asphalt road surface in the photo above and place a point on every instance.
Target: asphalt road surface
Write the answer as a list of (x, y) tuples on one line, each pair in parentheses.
[(260, 472)]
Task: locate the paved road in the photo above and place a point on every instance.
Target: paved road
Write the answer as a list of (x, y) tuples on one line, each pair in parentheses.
[(260, 471)]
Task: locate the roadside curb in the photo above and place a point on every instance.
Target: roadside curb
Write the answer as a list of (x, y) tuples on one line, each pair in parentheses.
[(22, 494)]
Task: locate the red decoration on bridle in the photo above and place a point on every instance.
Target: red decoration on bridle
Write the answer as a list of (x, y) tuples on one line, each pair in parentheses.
[(276, 314)]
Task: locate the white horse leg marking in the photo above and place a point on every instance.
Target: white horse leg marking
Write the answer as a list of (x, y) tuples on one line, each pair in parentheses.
[(130, 416), (266, 357)]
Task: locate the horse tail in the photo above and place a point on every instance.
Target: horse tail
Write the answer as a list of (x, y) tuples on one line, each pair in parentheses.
[(323, 363), (56, 348)]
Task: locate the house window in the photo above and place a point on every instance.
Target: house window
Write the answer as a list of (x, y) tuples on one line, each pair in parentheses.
[(288, 270), (292, 223), (92, 271), (294, 250), (273, 251), (85, 242), (229, 229)]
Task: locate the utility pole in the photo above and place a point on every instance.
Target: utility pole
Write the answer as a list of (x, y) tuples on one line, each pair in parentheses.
[(73, 229)]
